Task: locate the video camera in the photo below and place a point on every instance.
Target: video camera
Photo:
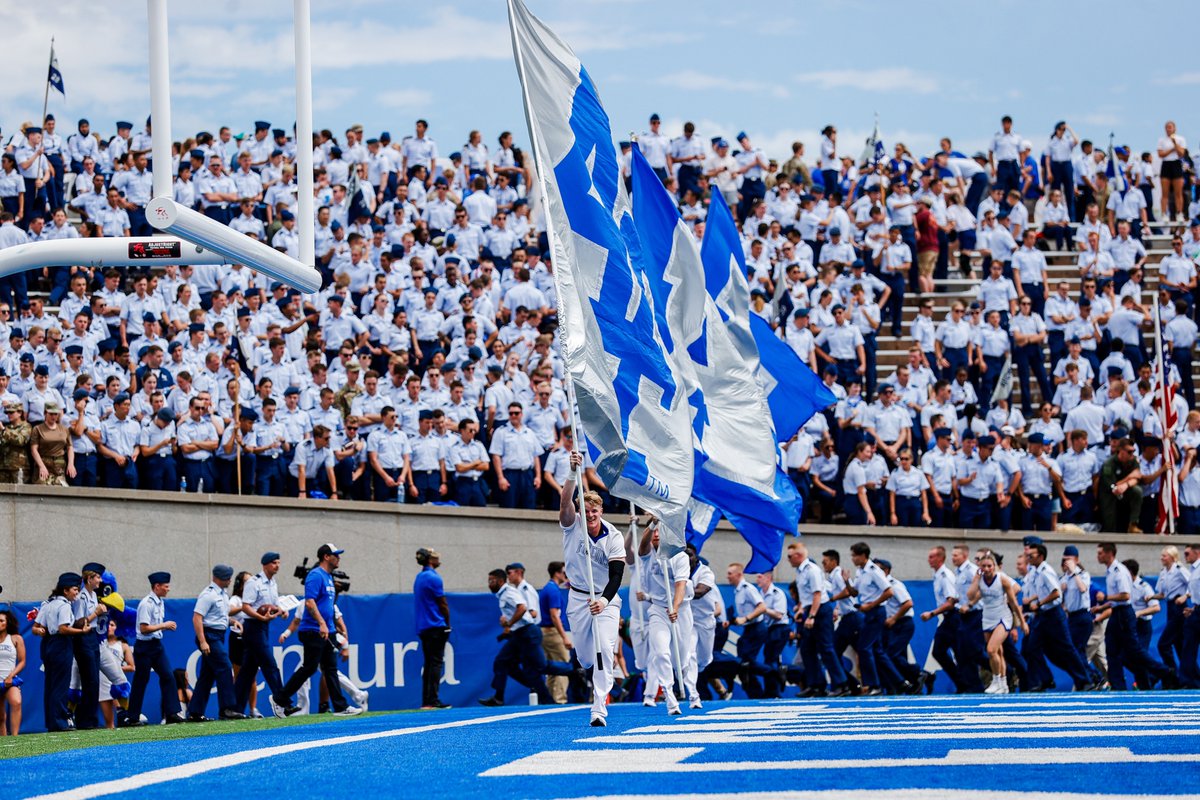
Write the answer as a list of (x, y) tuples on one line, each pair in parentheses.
[(341, 581)]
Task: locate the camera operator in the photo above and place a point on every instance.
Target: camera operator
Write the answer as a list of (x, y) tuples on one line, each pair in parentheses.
[(316, 635)]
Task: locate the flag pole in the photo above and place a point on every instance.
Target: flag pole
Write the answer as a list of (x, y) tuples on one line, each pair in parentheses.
[(237, 436), (666, 567), (568, 380), (46, 93), (1167, 494)]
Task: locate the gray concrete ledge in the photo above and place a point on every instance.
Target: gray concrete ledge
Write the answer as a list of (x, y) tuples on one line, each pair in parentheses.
[(45, 531)]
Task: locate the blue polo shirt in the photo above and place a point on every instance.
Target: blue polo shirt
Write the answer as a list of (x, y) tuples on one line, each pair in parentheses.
[(318, 586), (428, 589), (550, 596)]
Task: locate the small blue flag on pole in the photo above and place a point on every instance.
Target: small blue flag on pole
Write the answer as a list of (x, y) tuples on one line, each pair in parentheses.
[(55, 77)]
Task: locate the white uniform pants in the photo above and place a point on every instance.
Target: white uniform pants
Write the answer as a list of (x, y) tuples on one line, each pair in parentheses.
[(110, 670), (685, 629), (607, 625), (705, 637), (660, 672), (303, 700)]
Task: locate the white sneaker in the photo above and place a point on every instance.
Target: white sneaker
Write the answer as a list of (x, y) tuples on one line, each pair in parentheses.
[(674, 711), (599, 721), (994, 686), (648, 702), (276, 709), (255, 714), (1003, 686), (363, 701), (695, 703), (348, 711)]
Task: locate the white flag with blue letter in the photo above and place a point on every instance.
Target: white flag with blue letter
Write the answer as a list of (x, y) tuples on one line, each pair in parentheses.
[(737, 470), (632, 405)]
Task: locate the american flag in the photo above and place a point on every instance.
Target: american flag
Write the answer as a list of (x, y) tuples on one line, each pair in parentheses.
[(1168, 498)]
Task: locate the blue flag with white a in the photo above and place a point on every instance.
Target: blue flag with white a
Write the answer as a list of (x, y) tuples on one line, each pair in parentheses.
[(793, 391), (632, 405), (55, 77), (737, 470)]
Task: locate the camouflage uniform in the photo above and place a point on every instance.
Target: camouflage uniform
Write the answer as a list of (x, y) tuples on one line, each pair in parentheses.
[(56, 463), (343, 398), (14, 449)]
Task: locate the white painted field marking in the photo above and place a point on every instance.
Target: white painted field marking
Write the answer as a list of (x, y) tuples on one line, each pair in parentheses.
[(672, 760), (191, 769), (889, 794), (850, 723), (719, 737)]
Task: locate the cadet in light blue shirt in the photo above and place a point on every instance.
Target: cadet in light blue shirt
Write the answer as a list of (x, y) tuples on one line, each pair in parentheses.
[(1121, 636), (873, 590), (58, 620), (210, 620), (149, 655)]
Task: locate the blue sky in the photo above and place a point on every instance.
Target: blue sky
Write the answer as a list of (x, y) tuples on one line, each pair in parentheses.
[(778, 69)]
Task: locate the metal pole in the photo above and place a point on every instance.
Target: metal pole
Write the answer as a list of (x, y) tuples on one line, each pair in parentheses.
[(666, 567), (1168, 482), (46, 93), (237, 433), (304, 149), (567, 378), (160, 98)]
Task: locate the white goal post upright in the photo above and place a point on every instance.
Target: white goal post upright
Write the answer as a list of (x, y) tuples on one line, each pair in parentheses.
[(193, 238)]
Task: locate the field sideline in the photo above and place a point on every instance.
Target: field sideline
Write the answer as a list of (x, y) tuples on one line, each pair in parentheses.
[(1036, 746)]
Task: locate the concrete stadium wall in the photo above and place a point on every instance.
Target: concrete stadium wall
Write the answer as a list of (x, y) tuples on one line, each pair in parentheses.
[(45, 531)]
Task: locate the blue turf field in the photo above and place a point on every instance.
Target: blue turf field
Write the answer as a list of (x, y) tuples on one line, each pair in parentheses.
[(1071, 745)]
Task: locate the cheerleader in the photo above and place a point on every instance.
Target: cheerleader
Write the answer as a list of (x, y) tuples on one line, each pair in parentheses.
[(114, 649), (12, 662), (1000, 604)]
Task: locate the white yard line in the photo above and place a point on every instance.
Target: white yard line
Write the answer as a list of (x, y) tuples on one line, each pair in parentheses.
[(191, 769)]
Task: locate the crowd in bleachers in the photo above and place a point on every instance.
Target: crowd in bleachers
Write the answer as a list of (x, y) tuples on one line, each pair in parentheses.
[(426, 368)]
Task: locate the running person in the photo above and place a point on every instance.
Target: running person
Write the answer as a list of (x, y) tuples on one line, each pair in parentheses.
[(594, 623), (667, 582), (999, 595)]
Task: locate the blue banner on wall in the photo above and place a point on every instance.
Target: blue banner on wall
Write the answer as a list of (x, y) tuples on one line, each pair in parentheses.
[(385, 653)]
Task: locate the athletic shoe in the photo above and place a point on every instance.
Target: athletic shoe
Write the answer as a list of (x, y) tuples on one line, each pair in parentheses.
[(494, 702), (256, 714), (695, 703), (366, 696), (674, 711), (994, 686), (126, 722), (348, 711), (598, 721), (648, 703), (876, 692)]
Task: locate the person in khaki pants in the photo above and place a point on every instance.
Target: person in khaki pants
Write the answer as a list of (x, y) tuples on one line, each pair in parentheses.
[(556, 640)]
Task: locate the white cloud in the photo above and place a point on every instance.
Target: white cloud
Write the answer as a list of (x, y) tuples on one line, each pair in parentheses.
[(696, 81), (1183, 79), (1100, 118), (891, 79), (405, 98)]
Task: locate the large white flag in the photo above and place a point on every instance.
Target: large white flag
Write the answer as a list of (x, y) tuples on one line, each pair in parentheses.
[(631, 403)]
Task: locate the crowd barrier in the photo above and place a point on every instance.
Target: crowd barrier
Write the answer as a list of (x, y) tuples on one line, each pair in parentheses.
[(385, 656)]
